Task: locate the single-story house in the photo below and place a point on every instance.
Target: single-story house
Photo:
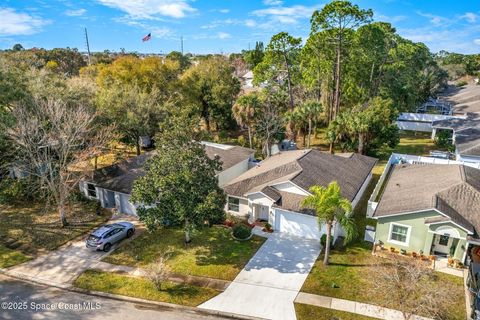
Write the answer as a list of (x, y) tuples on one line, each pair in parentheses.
[(432, 209), (273, 191), (112, 185)]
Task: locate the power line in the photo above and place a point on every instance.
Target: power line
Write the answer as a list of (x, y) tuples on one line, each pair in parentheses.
[(88, 45)]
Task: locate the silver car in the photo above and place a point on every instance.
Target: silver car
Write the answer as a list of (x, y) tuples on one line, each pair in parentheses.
[(104, 237)]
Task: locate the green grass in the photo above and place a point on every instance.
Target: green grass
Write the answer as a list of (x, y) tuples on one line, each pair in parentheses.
[(9, 258), (212, 253), (308, 312), (32, 227), (415, 143), (350, 271), (142, 288)]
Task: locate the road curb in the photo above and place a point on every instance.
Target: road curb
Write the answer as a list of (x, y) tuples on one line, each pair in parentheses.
[(71, 288)]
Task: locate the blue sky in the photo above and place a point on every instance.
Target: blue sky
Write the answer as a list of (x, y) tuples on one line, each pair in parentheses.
[(215, 26)]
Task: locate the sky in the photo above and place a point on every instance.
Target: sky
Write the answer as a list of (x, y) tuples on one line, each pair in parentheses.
[(218, 26)]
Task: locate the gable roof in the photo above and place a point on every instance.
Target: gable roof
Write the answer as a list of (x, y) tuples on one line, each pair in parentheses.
[(467, 141), (305, 168), (453, 190), (120, 177), (229, 155)]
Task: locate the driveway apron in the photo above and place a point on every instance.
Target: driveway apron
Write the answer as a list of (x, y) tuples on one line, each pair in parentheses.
[(267, 286), (61, 266)]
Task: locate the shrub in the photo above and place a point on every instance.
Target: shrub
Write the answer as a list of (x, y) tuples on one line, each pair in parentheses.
[(12, 190), (241, 231), (158, 270), (241, 141), (323, 241), (268, 226), (461, 83)]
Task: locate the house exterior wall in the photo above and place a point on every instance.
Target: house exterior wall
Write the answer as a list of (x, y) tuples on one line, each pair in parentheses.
[(421, 235), (418, 231), (243, 208), (362, 190), (231, 173)]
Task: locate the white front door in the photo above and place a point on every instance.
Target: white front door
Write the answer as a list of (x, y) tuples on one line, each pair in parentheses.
[(263, 213), (442, 244)]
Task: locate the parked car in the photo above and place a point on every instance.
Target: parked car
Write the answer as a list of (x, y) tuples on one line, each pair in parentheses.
[(106, 236)]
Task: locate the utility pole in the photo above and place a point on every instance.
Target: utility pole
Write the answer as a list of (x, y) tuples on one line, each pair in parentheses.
[(181, 44), (88, 45)]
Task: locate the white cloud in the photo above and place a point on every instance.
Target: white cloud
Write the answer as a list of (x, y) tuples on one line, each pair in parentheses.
[(224, 10), (391, 19), (17, 23), (476, 41), (272, 2), (149, 9), (223, 35), (435, 19), (282, 15), (250, 23), (75, 13), (470, 17), (157, 32)]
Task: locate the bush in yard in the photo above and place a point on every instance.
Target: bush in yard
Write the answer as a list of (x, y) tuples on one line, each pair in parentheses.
[(12, 190), (241, 231), (157, 271), (323, 241)]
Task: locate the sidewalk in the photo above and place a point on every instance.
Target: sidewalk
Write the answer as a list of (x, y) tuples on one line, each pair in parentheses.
[(353, 307)]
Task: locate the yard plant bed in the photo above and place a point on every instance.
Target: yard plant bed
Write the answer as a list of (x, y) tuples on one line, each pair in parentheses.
[(307, 312), (348, 277), (212, 253), (32, 227), (9, 257), (183, 294)]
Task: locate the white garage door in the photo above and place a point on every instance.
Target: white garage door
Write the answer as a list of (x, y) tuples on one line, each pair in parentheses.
[(297, 224)]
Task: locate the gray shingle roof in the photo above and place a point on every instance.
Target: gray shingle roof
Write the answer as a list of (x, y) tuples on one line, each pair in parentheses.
[(229, 155), (467, 141), (454, 190), (120, 177), (306, 168)]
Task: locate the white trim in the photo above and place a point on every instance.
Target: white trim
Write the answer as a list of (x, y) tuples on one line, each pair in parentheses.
[(442, 234), (266, 196), (407, 240), (229, 203), (425, 210), (306, 191)]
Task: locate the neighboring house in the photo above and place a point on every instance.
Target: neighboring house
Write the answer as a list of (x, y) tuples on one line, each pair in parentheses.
[(112, 185), (432, 209), (465, 136), (273, 191)]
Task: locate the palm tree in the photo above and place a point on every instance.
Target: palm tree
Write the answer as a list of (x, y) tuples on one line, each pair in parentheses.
[(331, 208), (244, 111), (310, 112)]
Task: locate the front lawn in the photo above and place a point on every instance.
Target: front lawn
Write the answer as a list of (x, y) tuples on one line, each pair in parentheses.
[(9, 257), (183, 294), (212, 253), (349, 277), (32, 227), (308, 312)]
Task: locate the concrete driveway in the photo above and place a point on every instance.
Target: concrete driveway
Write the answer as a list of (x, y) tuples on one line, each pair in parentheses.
[(271, 280), (61, 266), (64, 265)]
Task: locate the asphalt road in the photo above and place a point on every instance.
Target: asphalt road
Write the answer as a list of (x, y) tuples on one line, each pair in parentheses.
[(24, 301)]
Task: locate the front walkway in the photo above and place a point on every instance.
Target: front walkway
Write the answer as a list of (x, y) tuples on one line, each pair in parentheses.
[(353, 307), (269, 283)]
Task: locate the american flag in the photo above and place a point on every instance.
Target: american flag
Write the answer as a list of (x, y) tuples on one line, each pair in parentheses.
[(147, 37)]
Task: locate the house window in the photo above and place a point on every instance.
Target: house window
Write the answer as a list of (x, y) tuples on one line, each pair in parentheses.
[(233, 204), (443, 240), (399, 234), (91, 190)]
